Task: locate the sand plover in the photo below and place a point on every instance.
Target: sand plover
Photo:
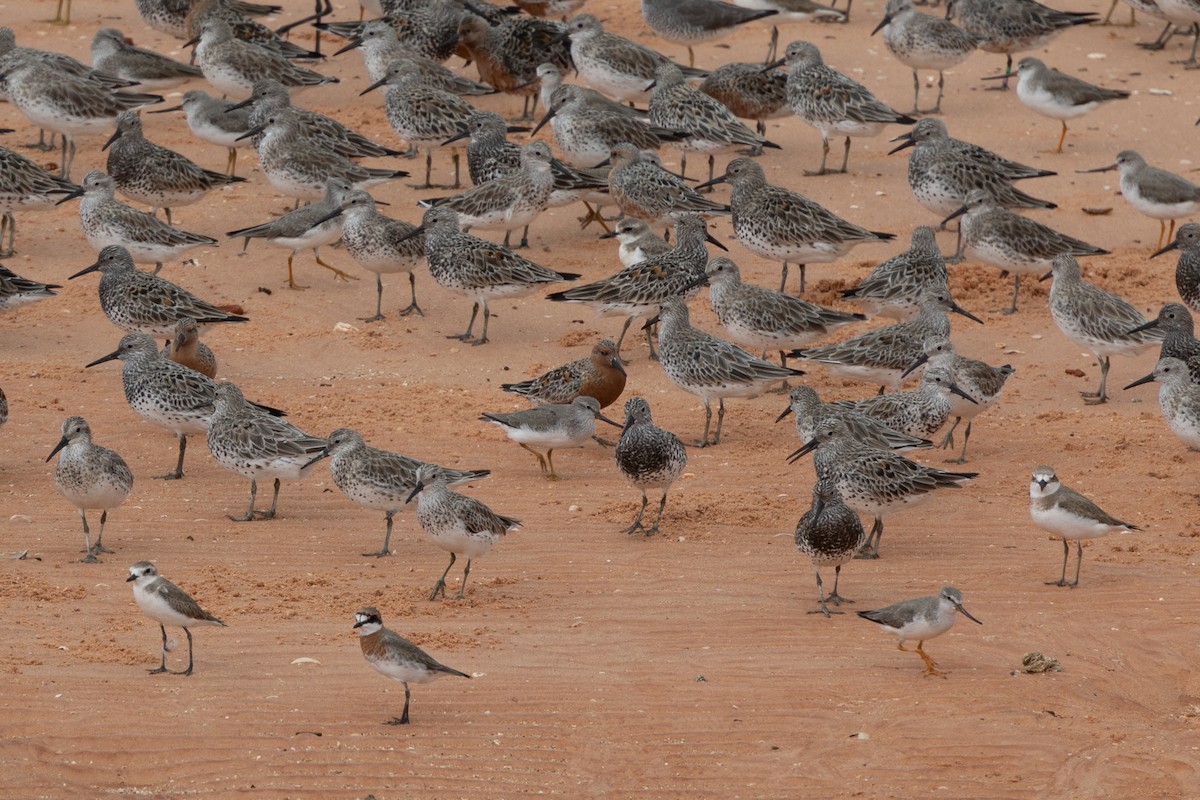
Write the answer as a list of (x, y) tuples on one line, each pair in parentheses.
[(89, 476), (392, 655), (921, 619), (829, 533), (1066, 513), (454, 522), (167, 604)]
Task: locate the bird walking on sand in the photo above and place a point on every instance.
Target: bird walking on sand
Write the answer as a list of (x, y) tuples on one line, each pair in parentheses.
[(1097, 319), (1056, 94), (829, 533), (708, 367), (89, 476), (376, 478), (921, 619), (553, 426), (649, 458), (167, 604), (454, 522), (1066, 513), (832, 103), (392, 655), (1155, 192)]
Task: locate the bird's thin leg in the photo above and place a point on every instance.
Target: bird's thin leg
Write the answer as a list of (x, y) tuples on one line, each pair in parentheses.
[(537, 455), (89, 557), (378, 300), (720, 419), (948, 439), (249, 513), (783, 277), (188, 671), (487, 315), (1093, 399), (836, 598), (440, 586), (463, 588), (707, 421), (650, 333), (774, 44), (470, 325), (1078, 562), (178, 473), (662, 504), (930, 669), (1062, 579), (1062, 137), (937, 107), (824, 609), (621, 338), (870, 550), (403, 718), (1012, 309), (274, 503), (387, 538), (412, 307), (845, 157), (824, 158), (552, 475), (337, 273), (637, 521), (99, 547), (163, 666), (962, 457), (291, 276), (916, 92)]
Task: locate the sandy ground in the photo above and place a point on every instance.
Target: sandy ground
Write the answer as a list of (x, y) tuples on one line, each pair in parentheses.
[(683, 665)]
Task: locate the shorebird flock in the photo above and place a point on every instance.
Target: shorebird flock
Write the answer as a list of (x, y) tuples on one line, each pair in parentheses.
[(605, 120)]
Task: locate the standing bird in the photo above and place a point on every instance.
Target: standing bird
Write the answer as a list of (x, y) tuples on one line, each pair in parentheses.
[(709, 367), (1014, 26), (894, 288), (1056, 94), (112, 55), (762, 319), (1187, 270), (921, 619), (216, 121), (422, 115), (873, 481), (982, 382), (600, 376), (106, 221), (232, 66), (1155, 192), (832, 103), (612, 64), (187, 349), (89, 476), (649, 458), (16, 291), (829, 533), (379, 244), (392, 655), (710, 126), (308, 227), (252, 442), (136, 301), (692, 21), (378, 479), (1006, 240), (553, 426), (777, 223), (642, 188), (922, 41), (456, 523), (1096, 319), (749, 92), (167, 604), (1064, 512), (24, 185), (1178, 398), (478, 269)]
